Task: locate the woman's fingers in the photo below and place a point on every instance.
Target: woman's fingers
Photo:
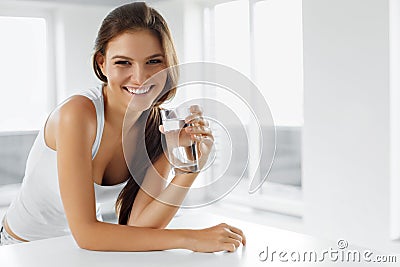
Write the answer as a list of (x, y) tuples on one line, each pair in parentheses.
[(199, 127), (186, 136), (196, 119), (233, 236), (198, 130), (201, 134), (233, 241), (195, 109), (229, 247), (195, 112), (199, 121), (221, 237), (237, 232)]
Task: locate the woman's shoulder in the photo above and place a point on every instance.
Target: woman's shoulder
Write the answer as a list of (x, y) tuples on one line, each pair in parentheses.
[(77, 113), (78, 106)]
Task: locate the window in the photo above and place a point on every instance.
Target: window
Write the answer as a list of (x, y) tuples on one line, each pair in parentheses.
[(232, 46), (278, 58), (263, 40), (23, 101), (278, 69)]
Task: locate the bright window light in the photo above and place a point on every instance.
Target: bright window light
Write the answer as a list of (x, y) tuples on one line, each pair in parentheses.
[(232, 46), (278, 58), (23, 101)]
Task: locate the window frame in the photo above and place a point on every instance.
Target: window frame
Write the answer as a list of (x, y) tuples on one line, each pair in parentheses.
[(30, 11), (273, 197)]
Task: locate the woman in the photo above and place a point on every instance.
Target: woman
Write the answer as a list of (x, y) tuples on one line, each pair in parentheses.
[(78, 160)]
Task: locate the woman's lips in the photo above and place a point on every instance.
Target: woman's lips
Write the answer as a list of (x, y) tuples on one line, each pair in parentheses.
[(142, 90)]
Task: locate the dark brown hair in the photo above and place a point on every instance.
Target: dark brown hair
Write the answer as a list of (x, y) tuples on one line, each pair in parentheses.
[(135, 17)]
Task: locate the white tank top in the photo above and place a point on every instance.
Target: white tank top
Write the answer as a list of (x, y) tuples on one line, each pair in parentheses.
[(37, 212)]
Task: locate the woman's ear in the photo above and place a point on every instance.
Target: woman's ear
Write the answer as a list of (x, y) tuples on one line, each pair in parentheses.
[(100, 62)]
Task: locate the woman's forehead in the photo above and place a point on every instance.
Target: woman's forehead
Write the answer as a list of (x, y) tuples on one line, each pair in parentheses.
[(137, 45)]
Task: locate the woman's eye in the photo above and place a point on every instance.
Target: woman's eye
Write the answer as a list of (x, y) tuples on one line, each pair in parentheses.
[(154, 61), (121, 62)]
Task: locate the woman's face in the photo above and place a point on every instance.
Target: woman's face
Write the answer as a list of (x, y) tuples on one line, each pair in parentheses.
[(131, 58)]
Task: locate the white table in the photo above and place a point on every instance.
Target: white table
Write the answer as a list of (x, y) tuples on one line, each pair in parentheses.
[(63, 251)]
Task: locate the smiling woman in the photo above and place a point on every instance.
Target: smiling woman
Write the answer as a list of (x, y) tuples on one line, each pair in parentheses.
[(78, 158), (131, 59)]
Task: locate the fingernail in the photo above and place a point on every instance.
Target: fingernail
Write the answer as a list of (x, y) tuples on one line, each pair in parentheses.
[(195, 108)]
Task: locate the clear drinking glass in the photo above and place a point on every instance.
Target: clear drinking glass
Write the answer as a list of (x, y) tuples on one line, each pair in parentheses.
[(182, 153)]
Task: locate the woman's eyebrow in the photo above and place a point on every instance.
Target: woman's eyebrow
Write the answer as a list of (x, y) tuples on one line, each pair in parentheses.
[(155, 55), (128, 58), (122, 57)]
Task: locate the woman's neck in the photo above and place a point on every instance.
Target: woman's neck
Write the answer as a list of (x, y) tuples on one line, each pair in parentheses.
[(114, 113)]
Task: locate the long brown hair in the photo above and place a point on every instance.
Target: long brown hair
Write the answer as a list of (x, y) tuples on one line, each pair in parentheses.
[(133, 17)]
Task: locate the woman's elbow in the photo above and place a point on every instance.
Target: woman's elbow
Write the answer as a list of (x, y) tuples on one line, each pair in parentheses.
[(86, 238), (85, 245), (85, 242)]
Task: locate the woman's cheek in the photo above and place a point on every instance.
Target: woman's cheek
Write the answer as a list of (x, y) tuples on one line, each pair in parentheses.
[(117, 74)]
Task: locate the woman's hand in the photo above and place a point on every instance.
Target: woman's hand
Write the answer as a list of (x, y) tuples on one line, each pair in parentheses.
[(222, 237), (200, 132)]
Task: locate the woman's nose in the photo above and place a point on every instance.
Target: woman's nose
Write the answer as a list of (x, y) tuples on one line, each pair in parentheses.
[(139, 74)]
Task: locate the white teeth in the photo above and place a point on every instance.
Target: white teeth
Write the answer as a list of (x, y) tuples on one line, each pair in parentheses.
[(144, 90)]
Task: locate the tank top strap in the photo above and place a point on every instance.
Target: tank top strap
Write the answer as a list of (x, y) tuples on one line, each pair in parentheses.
[(96, 95)]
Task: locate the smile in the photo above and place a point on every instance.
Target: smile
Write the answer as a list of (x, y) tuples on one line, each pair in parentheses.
[(136, 91)]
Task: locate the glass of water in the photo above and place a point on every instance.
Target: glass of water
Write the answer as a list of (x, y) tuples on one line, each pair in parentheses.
[(182, 152)]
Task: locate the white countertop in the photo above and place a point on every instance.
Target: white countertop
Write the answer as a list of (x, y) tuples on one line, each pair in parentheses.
[(63, 251)]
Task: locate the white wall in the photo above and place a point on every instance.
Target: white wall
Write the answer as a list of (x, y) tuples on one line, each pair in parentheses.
[(75, 31), (184, 19), (346, 147), (395, 117), (172, 12)]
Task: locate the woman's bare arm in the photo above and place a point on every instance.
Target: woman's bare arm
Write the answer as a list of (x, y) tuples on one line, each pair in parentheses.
[(75, 133), (74, 137), (155, 207), (154, 204)]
